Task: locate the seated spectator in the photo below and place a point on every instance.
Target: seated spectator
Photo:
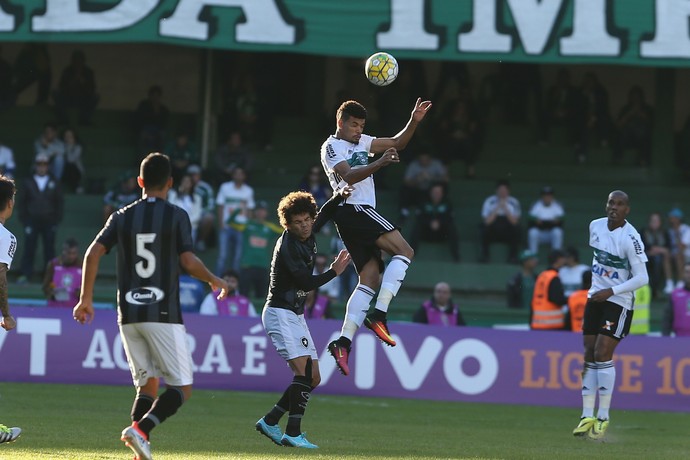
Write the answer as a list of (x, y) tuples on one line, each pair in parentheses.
[(62, 278), (125, 192), (635, 125), (182, 152), (440, 309), (77, 89), (49, 144), (545, 222), (314, 182), (332, 288), (420, 175), (679, 236), (7, 164), (572, 270), (234, 202), (183, 196), (549, 302), (460, 135), (151, 121), (74, 167), (520, 288), (317, 305), (234, 304), (231, 155), (6, 94), (192, 293), (676, 317), (32, 65), (577, 301), (596, 123), (435, 222), (561, 109), (258, 239), (207, 223), (500, 222), (657, 245)]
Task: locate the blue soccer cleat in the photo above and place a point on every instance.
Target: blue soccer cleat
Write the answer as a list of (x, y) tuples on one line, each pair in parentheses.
[(298, 441), (272, 432)]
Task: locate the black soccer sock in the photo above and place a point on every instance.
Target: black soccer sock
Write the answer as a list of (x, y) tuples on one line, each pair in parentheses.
[(345, 342), (163, 407), (142, 404), (279, 409), (300, 391)]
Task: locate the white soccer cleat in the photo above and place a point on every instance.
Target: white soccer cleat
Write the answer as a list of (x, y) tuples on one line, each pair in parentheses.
[(136, 440)]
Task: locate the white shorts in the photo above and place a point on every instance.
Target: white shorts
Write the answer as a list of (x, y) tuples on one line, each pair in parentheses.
[(289, 333), (157, 350)]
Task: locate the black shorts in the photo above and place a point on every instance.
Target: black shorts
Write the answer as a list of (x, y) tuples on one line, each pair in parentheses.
[(359, 226), (606, 318)]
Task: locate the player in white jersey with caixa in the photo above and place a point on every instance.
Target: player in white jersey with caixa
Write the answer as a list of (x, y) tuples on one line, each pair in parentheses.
[(365, 232), (618, 269)]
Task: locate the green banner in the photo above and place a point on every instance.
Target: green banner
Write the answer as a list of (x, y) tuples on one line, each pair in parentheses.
[(633, 32)]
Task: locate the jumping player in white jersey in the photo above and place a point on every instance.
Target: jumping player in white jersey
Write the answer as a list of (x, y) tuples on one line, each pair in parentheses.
[(345, 159), (618, 269)]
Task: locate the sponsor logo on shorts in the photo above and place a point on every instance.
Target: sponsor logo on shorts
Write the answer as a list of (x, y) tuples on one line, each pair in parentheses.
[(144, 295), (305, 342)]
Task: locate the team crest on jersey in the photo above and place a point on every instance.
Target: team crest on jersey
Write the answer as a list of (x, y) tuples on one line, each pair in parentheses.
[(305, 342), (358, 159), (146, 295)]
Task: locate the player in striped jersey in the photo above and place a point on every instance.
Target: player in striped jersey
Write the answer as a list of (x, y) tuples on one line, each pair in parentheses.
[(154, 239), (365, 232), (618, 269)]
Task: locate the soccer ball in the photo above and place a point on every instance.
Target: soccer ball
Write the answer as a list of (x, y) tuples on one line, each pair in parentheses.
[(381, 69)]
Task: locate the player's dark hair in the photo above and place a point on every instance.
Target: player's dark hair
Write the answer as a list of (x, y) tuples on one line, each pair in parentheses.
[(7, 191), (71, 242), (155, 171), (230, 273), (501, 182), (573, 252), (351, 109), (295, 203)]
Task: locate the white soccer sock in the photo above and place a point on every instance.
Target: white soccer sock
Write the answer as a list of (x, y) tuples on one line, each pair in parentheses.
[(393, 277), (606, 375), (589, 389), (357, 307)]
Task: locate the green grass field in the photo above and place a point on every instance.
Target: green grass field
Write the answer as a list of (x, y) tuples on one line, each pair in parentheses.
[(84, 422)]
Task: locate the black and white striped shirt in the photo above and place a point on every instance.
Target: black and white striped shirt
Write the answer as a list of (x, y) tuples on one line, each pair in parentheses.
[(150, 234)]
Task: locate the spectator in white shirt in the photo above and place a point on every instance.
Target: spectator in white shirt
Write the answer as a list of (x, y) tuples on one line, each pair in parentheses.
[(546, 222), (501, 222), (234, 201), (7, 164)]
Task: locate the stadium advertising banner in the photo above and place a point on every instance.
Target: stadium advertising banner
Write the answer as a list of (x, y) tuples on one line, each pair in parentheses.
[(634, 32), (429, 362)]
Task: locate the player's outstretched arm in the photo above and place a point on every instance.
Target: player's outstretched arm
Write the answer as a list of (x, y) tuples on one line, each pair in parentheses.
[(400, 140), (7, 321), (329, 207), (196, 268), (83, 312)]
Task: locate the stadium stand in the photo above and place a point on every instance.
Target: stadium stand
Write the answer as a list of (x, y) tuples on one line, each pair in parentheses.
[(508, 153)]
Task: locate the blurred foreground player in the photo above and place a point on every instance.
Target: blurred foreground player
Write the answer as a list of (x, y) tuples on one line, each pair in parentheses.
[(8, 245), (155, 239)]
